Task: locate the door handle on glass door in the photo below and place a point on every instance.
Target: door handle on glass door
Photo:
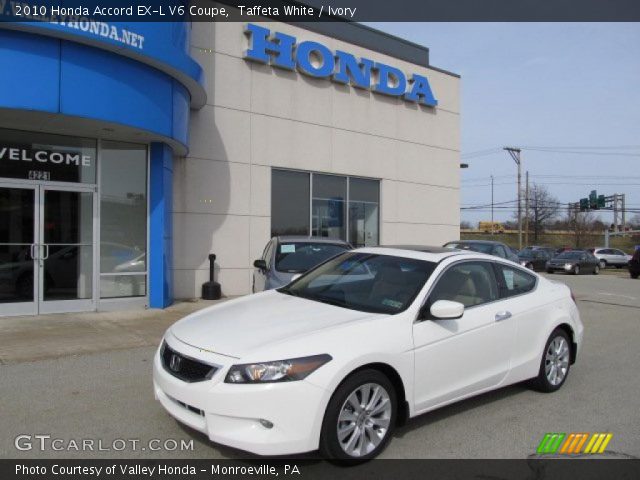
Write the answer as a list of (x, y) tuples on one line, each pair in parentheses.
[(502, 316), (32, 251)]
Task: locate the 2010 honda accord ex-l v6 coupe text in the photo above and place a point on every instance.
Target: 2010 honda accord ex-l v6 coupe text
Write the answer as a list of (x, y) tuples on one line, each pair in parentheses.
[(337, 358)]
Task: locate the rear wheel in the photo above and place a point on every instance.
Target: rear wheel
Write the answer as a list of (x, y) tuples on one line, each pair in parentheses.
[(360, 418), (603, 264), (596, 270), (549, 270), (555, 363)]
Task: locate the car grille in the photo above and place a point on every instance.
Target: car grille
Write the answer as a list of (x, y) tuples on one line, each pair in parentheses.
[(185, 368)]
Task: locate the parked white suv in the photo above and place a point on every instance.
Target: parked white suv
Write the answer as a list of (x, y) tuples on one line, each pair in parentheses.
[(611, 257)]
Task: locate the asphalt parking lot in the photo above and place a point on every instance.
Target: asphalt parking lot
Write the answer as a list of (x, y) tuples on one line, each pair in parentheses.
[(107, 396)]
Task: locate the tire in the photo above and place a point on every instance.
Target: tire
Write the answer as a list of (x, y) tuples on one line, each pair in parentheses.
[(549, 270), (596, 270), (603, 264), (545, 381), (529, 266), (634, 275), (343, 409), (576, 270)]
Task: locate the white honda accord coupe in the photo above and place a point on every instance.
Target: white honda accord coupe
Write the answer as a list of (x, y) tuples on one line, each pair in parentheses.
[(342, 355)]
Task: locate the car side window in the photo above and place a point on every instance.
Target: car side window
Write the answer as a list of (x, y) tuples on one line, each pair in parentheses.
[(268, 253), (499, 251), (470, 283), (513, 281)]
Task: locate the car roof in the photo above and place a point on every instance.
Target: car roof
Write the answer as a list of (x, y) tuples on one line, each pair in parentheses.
[(485, 242), (302, 238), (420, 252)]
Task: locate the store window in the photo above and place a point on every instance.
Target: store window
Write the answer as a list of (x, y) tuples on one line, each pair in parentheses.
[(289, 203), (332, 206), (328, 210), (123, 220), (41, 156)]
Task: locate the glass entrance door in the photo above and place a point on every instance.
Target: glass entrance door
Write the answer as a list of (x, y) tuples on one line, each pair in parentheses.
[(18, 245), (47, 258), (66, 250)]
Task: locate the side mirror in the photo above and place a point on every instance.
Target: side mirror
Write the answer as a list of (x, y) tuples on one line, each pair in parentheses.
[(260, 264), (447, 310)]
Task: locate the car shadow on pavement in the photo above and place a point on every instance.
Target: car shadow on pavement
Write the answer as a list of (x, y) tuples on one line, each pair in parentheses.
[(457, 408)]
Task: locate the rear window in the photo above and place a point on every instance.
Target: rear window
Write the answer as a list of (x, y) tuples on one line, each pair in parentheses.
[(475, 247), (299, 257)]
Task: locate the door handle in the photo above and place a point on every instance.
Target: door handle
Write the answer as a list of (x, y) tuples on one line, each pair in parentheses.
[(46, 251), (32, 251), (502, 316)]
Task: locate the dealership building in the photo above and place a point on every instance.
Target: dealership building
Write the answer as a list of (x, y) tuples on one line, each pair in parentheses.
[(130, 152)]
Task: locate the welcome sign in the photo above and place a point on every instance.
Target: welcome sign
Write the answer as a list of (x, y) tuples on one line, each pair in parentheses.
[(316, 60)]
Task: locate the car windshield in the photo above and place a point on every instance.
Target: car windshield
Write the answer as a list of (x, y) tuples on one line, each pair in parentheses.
[(298, 257), (365, 282), (476, 247), (570, 255)]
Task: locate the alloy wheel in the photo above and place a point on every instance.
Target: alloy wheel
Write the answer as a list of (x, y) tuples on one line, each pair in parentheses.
[(557, 361), (364, 419)]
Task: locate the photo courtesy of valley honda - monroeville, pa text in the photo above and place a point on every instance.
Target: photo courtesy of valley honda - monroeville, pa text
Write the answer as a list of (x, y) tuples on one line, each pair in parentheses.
[(288, 371)]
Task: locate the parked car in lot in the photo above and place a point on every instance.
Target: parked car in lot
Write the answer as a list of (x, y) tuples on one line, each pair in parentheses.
[(337, 358), (534, 259), (634, 264), (610, 257), (287, 256), (489, 247), (575, 262)]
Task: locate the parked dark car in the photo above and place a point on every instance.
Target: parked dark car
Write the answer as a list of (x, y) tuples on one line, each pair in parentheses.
[(634, 264), (575, 262), (497, 249), (534, 259), (285, 257)]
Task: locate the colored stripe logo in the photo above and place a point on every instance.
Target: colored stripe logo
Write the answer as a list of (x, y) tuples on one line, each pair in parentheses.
[(573, 443)]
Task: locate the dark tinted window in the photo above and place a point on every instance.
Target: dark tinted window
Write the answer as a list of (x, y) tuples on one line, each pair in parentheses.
[(300, 257), (289, 203), (514, 281), (470, 283), (570, 255)]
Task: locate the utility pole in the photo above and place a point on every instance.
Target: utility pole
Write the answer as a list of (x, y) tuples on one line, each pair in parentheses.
[(526, 209), (515, 154), (491, 204)]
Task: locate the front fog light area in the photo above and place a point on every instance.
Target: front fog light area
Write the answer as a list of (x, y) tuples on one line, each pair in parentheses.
[(276, 371)]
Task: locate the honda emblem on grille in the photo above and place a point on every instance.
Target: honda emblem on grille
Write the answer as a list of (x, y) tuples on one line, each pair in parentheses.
[(174, 363)]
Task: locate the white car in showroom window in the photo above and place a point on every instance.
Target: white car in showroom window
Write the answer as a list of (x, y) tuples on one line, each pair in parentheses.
[(336, 364)]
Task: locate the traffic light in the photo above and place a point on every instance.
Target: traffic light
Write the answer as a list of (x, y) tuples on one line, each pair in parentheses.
[(584, 204), (601, 201)]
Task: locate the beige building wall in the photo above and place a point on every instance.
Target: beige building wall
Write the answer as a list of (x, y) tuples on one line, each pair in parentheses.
[(258, 117)]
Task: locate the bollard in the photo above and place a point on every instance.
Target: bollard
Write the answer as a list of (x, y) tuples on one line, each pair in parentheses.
[(211, 289)]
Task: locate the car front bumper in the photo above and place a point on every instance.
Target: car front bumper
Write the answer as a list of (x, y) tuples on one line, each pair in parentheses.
[(235, 415)]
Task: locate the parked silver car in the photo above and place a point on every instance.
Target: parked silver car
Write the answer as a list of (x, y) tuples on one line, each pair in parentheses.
[(610, 257), (285, 257)]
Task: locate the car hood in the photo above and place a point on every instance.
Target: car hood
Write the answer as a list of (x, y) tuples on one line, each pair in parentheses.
[(238, 327)]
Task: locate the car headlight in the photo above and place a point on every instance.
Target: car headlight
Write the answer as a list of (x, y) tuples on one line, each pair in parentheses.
[(278, 371), (568, 266)]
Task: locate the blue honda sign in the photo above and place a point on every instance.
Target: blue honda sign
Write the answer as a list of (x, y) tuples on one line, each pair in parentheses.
[(316, 60)]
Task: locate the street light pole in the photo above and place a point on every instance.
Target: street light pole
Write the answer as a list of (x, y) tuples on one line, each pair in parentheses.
[(492, 224), (515, 154)]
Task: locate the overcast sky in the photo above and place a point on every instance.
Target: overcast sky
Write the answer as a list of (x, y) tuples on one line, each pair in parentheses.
[(542, 85)]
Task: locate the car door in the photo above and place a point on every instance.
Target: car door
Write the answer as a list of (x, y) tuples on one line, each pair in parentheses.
[(618, 257), (459, 357), (260, 275)]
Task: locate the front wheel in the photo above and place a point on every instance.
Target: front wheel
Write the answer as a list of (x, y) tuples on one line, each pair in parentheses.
[(576, 270), (555, 363), (596, 270), (360, 418), (603, 264)]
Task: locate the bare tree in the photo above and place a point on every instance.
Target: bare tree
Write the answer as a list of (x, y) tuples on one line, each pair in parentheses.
[(543, 207), (581, 224), (465, 225)]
